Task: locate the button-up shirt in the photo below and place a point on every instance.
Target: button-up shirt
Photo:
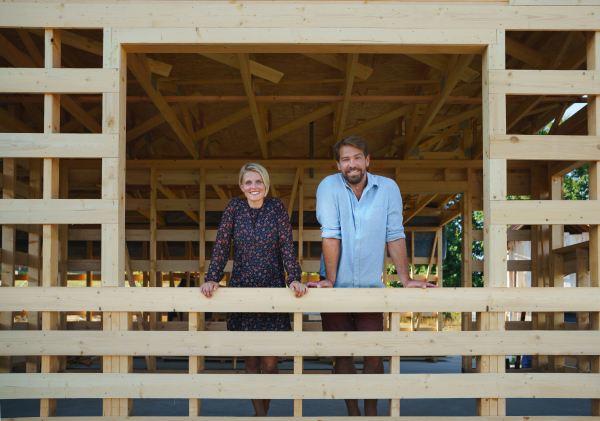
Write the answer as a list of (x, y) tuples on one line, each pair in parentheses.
[(362, 226)]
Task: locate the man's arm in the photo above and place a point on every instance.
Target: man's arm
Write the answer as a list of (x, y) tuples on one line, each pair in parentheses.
[(331, 258), (397, 251)]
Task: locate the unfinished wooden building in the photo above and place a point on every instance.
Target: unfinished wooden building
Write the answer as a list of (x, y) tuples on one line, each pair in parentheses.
[(123, 125)]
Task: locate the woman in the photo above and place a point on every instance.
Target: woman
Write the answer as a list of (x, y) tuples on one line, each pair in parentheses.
[(261, 231)]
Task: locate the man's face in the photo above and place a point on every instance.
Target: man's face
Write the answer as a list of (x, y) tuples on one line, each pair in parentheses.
[(353, 164)]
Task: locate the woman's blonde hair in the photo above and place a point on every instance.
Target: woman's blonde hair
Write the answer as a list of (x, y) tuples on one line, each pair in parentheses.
[(259, 169)]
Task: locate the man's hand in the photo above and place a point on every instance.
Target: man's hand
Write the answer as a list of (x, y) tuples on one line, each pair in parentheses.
[(299, 288), (324, 283), (411, 283)]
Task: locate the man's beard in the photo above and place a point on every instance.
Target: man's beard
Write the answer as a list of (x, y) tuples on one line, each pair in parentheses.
[(356, 179)]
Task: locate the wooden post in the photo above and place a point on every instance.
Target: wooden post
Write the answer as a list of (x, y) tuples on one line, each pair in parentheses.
[(63, 241), (494, 189), (298, 363), (556, 363), (395, 363), (113, 235), (440, 275), (35, 269), (51, 191), (197, 320), (593, 63), (301, 217), (152, 282), (467, 260), (582, 264), (9, 236)]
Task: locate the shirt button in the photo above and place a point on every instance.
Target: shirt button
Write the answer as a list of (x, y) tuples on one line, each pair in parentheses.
[(357, 242)]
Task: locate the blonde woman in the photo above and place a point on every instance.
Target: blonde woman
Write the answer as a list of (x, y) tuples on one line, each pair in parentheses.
[(261, 231)]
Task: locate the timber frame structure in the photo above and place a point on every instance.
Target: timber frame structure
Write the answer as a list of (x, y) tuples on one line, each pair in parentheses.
[(105, 170)]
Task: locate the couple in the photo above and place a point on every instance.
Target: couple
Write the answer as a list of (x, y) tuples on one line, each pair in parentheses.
[(359, 213)]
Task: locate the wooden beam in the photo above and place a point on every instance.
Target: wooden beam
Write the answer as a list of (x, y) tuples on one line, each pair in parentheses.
[(440, 62), (222, 123), (60, 81), (55, 145), (171, 195), (529, 147), (525, 54), (257, 117), (432, 110), (546, 82), (254, 68), (299, 172), (437, 139), (138, 68), (58, 211), (338, 61), (299, 122), (418, 207), (352, 61)]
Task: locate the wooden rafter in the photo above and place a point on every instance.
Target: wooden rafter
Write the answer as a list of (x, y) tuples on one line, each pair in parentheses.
[(256, 69), (352, 61), (339, 61), (440, 62), (171, 195), (525, 54), (139, 67), (451, 81), (299, 172), (438, 138), (423, 201), (257, 116)]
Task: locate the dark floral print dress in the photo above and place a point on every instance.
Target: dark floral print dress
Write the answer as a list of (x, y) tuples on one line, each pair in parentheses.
[(263, 246)]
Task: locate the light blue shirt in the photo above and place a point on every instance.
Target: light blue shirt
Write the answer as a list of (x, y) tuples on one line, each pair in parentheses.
[(363, 226)]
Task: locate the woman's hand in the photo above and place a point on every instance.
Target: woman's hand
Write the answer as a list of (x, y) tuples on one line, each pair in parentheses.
[(299, 288), (208, 288)]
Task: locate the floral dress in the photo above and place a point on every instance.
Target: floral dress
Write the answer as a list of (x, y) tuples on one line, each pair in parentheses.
[(263, 246)]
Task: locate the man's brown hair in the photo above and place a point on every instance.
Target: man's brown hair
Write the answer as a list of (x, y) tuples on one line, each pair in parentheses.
[(356, 141)]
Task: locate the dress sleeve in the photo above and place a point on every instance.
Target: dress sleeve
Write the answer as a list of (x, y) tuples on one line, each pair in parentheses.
[(222, 245), (286, 244)]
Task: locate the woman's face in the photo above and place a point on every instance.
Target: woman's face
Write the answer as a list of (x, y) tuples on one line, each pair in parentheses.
[(253, 187)]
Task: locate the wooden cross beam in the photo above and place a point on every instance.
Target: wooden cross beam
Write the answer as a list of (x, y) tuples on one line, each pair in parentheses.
[(255, 68), (338, 61), (352, 62), (257, 115)]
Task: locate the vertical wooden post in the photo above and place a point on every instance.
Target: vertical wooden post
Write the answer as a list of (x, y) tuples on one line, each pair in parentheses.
[(9, 233), (556, 363), (395, 363), (51, 191), (593, 63), (494, 188), (152, 282), (298, 363), (301, 217), (467, 260), (113, 235), (63, 241), (538, 320), (440, 275), (582, 264), (197, 320), (35, 244), (89, 275)]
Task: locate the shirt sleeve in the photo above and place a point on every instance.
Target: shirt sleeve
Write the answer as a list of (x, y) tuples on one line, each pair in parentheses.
[(394, 228), (286, 244), (328, 213), (222, 245)]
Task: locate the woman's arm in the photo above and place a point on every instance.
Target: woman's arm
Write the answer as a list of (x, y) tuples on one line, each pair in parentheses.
[(220, 252)]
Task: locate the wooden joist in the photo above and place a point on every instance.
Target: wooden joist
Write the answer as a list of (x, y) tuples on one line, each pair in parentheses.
[(553, 148), (545, 82), (58, 211), (56, 145), (59, 81)]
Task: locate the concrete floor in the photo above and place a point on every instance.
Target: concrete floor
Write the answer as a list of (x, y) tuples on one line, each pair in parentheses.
[(237, 407)]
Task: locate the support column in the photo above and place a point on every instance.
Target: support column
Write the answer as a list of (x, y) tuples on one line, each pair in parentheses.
[(593, 63), (395, 363), (63, 241), (51, 191), (9, 171), (556, 363), (494, 188), (197, 320), (298, 363), (113, 235), (467, 261), (35, 256), (152, 281)]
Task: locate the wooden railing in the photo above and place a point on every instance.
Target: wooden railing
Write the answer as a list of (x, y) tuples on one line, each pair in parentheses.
[(395, 344)]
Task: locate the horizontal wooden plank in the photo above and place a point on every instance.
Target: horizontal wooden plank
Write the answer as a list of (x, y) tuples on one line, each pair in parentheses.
[(339, 418), (275, 300), (152, 15), (538, 212), (58, 211), (557, 148), (59, 145), (299, 343), (554, 2), (545, 82), (292, 386), (194, 204), (59, 81)]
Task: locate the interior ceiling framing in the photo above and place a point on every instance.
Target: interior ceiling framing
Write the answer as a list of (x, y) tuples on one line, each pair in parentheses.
[(291, 81)]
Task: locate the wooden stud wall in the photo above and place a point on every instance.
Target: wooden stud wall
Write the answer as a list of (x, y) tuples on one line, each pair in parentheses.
[(118, 385)]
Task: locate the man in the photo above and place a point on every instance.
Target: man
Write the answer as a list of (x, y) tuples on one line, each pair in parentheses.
[(359, 213)]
